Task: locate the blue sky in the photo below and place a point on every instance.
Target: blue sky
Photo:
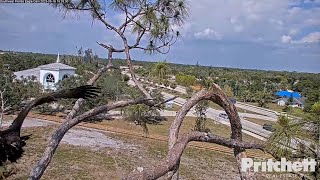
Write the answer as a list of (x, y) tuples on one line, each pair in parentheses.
[(254, 34)]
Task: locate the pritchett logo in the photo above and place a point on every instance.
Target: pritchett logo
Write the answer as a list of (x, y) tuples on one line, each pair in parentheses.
[(306, 165)]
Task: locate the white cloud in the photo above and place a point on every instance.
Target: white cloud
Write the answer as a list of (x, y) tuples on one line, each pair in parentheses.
[(313, 21), (269, 19), (313, 37), (286, 39), (311, 1), (276, 21), (237, 26), (293, 31), (208, 33)]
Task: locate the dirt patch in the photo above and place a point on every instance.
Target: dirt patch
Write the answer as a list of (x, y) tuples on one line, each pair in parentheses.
[(29, 122), (94, 140), (82, 162)]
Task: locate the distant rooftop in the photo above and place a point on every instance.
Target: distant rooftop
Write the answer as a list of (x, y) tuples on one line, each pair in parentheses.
[(56, 66), (295, 100), (28, 73), (134, 67), (288, 93), (36, 71)]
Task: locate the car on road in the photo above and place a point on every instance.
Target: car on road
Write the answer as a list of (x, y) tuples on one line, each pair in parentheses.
[(268, 127), (233, 100), (223, 115)]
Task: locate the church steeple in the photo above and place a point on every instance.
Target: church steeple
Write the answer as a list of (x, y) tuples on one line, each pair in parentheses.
[(58, 58)]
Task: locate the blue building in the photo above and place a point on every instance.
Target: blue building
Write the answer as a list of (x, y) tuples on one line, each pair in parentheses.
[(293, 99), (288, 94)]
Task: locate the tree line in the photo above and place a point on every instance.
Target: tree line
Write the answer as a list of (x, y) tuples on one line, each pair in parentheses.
[(245, 85)]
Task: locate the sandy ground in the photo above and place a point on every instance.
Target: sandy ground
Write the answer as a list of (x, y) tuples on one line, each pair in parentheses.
[(93, 139), (81, 136)]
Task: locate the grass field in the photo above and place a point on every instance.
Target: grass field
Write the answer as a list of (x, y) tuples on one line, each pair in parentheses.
[(260, 121), (174, 108), (271, 106), (76, 162), (187, 126)]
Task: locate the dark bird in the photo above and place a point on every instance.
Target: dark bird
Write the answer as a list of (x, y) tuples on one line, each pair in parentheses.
[(11, 143)]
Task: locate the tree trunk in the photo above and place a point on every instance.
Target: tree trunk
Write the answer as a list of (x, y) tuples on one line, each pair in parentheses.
[(2, 106)]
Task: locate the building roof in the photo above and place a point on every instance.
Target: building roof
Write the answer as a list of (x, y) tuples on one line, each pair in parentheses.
[(170, 102), (288, 94), (36, 71), (28, 73), (56, 66), (134, 67), (300, 100)]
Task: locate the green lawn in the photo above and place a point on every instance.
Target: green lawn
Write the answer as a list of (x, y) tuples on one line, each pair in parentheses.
[(74, 162), (174, 108), (271, 106), (187, 126), (260, 121)]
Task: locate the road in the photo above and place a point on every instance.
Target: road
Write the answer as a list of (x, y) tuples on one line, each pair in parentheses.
[(273, 115), (214, 114), (263, 111), (250, 128)]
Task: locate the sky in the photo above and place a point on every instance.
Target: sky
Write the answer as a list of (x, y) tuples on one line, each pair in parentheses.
[(250, 34)]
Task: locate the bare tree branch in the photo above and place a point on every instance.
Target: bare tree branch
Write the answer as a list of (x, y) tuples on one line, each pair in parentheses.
[(159, 40), (109, 47), (159, 48), (92, 81), (165, 101), (176, 149), (216, 95), (139, 37), (173, 158), (69, 122), (129, 19), (57, 136), (99, 16)]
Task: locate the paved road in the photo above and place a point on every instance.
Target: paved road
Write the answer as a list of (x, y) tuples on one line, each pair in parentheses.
[(181, 89), (214, 114), (273, 115), (263, 111), (250, 128)]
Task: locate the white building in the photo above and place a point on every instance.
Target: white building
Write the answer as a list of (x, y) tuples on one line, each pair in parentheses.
[(48, 75), (296, 102), (281, 102), (169, 104)]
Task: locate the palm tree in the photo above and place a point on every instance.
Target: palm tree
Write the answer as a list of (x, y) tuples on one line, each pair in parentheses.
[(297, 138), (160, 70)]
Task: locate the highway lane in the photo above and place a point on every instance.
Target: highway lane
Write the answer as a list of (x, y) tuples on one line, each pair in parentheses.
[(273, 115), (263, 111), (248, 127), (214, 114)]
